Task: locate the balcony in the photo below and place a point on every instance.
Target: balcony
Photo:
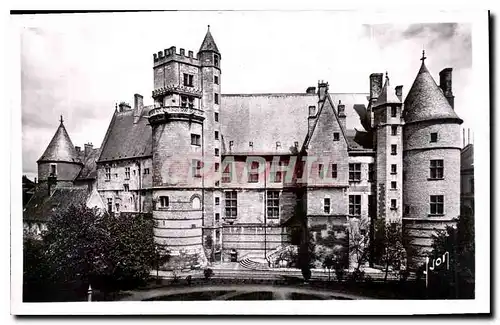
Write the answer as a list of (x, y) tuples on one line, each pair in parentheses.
[(164, 113), (177, 89)]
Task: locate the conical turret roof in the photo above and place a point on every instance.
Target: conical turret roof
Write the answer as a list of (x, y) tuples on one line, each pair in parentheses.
[(387, 96), (208, 43), (425, 100), (60, 147)]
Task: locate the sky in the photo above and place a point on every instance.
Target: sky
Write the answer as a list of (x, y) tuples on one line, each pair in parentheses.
[(80, 65)]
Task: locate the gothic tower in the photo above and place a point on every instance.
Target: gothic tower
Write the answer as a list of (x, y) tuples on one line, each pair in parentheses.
[(388, 161), (177, 126), (431, 162), (60, 162)]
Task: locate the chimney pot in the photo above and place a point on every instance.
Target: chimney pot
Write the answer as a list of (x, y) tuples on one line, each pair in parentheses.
[(445, 83)]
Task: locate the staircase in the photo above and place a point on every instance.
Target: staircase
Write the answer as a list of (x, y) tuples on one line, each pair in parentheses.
[(259, 264)]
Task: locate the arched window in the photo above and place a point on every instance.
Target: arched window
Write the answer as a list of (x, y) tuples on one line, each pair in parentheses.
[(195, 203)]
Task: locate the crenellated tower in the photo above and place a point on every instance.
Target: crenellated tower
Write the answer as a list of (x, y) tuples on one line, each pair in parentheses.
[(177, 122), (431, 162)]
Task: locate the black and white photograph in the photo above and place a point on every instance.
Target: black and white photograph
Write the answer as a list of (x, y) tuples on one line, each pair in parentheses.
[(209, 157)]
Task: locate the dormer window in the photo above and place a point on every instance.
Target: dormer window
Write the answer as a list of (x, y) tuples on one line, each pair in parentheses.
[(394, 111), (434, 137)]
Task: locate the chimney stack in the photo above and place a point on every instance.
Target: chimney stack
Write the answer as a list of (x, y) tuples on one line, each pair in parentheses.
[(322, 90), (399, 92), (342, 116), (88, 149), (376, 81), (445, 83), (311, 90), (123, 107), (138, 107)]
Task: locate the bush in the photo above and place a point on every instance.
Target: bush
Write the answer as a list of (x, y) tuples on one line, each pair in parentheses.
[(340, 273), (189, 278), (208, 272), (357, 276), (403, 275)]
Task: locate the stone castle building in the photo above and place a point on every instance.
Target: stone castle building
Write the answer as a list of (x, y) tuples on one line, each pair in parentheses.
[(235, 176)]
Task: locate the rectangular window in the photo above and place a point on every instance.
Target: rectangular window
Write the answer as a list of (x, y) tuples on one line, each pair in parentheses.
[(184, 101), (110, 205), (53, 170), (216, 167), (253, 173), (191, 102), (217, 217), (226, 174), (195, 139), (117, 207), (394, 149), (321, 171), (371, 172), (216, 60), (146, 171), (216, 135), (354, 172), (216, 152), (217, 200), (394, 130), (273, 204), (407, 209), (196, 168), (394, 204), (393, 185), (216, 98), (127, 172), (108, 173), (231, 204), (437, 169), (126, 187), (326, 205), (216, 80), (216, 117), (394, 169), (188, 80), (394, 111), (336, 136), (355, 205), (334, 170), (434, 137), (164, 201), (437, 204)]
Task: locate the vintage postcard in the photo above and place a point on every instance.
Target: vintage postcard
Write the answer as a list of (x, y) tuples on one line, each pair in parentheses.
[(176, 162)]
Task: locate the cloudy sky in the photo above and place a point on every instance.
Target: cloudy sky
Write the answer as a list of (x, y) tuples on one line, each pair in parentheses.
[(80, 65)]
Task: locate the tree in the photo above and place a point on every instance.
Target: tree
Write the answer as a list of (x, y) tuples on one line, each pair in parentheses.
[(83, 246), (459, 243), (389, 241), (359, 243)]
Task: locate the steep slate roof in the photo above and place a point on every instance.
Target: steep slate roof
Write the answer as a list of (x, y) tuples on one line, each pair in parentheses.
[(425, 100), (124, 139), (208, 43), (60, 147), (265, 119), (41, 207), (89, 170), (387, 95)]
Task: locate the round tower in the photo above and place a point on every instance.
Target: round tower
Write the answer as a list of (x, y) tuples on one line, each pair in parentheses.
[(60, 162), (431, 164), (177, 144), (210, 73)]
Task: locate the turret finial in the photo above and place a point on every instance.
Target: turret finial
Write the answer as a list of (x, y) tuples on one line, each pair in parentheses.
[(386, 75), (208, 27), (423, 56), (61, 119)]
